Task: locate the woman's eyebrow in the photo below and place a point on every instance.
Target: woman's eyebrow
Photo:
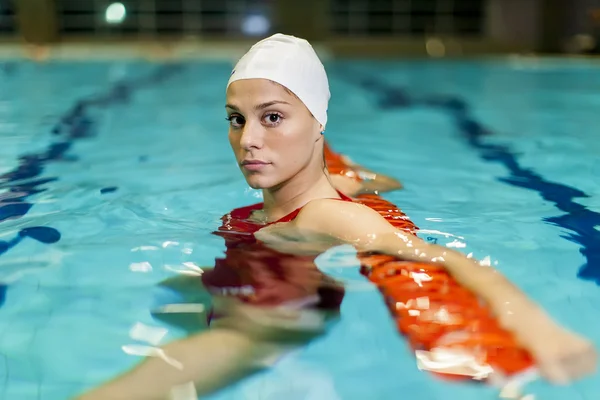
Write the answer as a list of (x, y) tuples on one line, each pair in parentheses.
[(259, 106)]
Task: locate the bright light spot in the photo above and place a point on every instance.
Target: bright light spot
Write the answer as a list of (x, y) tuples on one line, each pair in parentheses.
[(457, 244), (149, 351), (435, 48), (145, 333), (115, 13), (255, 25), (435, 232), (486, 262), (144, 266), (144, 248)]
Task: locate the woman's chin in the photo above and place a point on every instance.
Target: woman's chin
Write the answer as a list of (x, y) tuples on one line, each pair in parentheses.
[(257, 182)]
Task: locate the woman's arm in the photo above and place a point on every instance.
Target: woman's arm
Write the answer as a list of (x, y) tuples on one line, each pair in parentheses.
[(372, 180), (560, 355), (366, 182), (243, 339), (377, 183), (201, 363), (246, 340)]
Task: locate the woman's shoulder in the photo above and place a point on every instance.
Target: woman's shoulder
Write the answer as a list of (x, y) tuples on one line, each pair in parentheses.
[(332, 208), (349, 220)]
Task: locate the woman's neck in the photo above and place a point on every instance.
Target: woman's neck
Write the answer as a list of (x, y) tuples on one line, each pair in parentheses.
[(292, 195)]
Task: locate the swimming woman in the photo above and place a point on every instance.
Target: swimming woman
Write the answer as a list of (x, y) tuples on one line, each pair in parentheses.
[(267, 294)]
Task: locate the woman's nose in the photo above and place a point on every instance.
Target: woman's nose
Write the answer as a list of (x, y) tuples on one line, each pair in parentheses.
[(252, 136)]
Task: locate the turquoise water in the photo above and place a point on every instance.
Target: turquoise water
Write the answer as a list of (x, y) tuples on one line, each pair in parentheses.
[(113, 175)]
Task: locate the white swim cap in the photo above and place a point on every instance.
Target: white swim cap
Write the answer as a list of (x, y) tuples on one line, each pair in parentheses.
[(291, 62)]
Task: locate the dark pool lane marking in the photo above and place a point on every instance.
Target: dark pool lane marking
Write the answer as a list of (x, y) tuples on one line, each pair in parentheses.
[(76, 124), (8, 68), (578, 220)]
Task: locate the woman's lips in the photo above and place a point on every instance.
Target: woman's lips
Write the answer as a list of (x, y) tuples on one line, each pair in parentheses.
[(254, 165)]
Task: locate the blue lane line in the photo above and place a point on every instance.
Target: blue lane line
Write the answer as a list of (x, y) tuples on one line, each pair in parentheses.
[(577, 219), (76, 124)]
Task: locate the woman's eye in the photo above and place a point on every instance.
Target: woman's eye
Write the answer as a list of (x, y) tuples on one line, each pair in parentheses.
[(273, 118), (235, 120)]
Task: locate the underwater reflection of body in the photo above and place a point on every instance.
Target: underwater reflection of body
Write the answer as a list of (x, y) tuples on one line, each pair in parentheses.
[(267, 294)]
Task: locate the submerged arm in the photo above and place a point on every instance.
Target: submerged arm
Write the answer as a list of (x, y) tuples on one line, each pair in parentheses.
[(248, 339)]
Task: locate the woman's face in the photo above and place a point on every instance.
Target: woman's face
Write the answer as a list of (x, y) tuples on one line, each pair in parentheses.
[(271, 132)]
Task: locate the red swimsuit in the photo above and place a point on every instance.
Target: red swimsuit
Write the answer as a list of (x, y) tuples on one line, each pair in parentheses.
[(256, 274)]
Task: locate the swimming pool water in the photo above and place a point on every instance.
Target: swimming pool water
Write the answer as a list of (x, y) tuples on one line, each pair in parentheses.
[(113, 174)]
